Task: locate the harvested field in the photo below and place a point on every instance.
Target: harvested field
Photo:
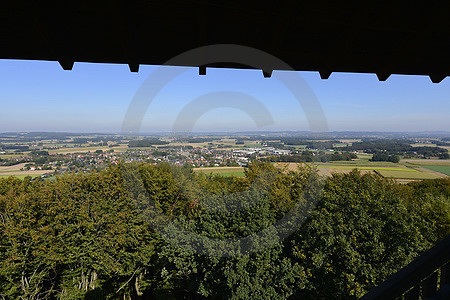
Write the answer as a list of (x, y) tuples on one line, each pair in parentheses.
[(6, 171), (18, 176), (12, 168), (79, 150)]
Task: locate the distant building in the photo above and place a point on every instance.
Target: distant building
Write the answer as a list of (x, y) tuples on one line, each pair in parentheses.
[(282, 152)]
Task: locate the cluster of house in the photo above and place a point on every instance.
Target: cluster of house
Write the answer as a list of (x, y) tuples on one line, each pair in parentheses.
[(197, 157), (263, 151)]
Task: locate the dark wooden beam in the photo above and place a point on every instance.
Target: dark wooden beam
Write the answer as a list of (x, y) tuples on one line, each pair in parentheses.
[(120, 14), (66, 64), (48, 26), (134, 67), (202, 24), (437, 78), (383, 76), (267, 73), (343, 41), (369, 37), (432, 16), (413, 274), (281, 24), (325, 74)]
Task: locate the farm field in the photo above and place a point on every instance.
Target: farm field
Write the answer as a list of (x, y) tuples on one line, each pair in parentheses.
[(350, 141), (364, 156), (441, 169), (288, 165), (14, 170), (6, 156), (368, 168), (74, 150), (331, 171), (359, 163), (322, 170), (399, 172), (222, 171), (27, 172), (83, 150), (139, 148), (403, 174), (18, 176), (423, 145), (195, 145), (299, 146), (230, 142), (251, 144), (427, 162), (341, 144), (11, 168), (340, 165)]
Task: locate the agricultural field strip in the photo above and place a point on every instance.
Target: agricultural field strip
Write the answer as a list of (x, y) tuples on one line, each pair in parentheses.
[(5, 156), (360, 163), (428, 162), (16, 167), (229, 174), (440, 169), (81, 149), (222, 171), (19, 176), (219, 169), (367, 168), (24, 172), (407, 175)]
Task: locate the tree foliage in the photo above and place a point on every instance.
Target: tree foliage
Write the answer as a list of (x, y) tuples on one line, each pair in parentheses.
[(98, 235)]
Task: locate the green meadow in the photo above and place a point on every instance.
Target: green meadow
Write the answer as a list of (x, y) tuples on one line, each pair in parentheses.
[(441, 169)]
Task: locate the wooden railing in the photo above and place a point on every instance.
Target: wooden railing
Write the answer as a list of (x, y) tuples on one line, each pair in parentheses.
[(427, 277)]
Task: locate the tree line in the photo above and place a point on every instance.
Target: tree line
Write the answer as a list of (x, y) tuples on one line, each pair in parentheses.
[(398, 147), (380, 156), (146, 143), (309, 156)]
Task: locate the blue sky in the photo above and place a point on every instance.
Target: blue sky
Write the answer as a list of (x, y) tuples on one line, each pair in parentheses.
[(40, 96)]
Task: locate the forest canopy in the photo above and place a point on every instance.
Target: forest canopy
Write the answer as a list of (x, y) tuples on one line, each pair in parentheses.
[(93, 235)]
